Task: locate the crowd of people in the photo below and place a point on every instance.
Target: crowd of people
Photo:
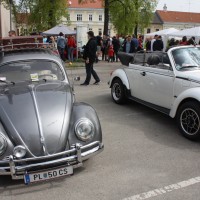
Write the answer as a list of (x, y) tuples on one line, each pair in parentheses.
[(66, 45), (108, 47)]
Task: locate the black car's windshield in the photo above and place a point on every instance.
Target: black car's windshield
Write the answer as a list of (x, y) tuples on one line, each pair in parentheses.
[(187, 58), (33, 70)]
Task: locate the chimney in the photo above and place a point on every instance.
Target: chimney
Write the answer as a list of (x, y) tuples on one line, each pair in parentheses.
[(165, 7)]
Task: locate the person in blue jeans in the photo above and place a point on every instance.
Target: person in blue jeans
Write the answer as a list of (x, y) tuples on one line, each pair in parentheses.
[(90, 56)]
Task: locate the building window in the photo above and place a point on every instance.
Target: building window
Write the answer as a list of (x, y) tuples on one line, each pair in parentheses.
[(79, 17), (100, 18), (75, 29), (90, 17), (157, 29), (90, 29), (100, 30), (148, 30)]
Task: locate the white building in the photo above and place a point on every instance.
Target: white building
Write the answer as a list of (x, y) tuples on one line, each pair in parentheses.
[(90, 15), (5, 21)]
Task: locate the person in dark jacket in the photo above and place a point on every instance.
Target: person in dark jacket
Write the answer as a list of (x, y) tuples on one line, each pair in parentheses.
[(116, 47), (158, 44), (89, 56), (129, 46)]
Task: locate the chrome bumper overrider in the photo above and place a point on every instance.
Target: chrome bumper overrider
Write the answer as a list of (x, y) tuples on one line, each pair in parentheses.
[(73, 157)]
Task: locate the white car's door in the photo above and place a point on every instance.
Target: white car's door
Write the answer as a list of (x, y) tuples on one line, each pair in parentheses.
[(152, 83)]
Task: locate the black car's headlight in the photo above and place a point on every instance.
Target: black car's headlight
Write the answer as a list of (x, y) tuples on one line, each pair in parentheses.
[(84, 129), (3, 144)]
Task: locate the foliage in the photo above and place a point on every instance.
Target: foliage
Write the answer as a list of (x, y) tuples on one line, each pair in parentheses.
[(40, 14), (128, 14)]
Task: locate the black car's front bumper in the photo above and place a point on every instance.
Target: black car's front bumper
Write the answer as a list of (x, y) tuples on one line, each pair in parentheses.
[(73, 157)]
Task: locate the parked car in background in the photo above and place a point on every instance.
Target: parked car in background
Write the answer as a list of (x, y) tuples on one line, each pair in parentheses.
[(165, 81), (44, 132)]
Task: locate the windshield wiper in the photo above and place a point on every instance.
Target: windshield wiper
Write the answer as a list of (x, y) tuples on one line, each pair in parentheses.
[(188, 66), (7, 82)]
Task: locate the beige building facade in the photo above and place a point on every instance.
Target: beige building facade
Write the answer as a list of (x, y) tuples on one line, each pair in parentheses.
[(90, 15), (5, 21)]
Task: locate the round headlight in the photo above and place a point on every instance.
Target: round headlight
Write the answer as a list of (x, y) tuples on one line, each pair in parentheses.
[(19, 151), (84, 129), (3, 144)]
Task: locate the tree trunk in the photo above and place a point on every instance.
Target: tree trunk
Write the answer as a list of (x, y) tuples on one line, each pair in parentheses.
[(51, 15), (137, 10), (136, 30), (106, 16)]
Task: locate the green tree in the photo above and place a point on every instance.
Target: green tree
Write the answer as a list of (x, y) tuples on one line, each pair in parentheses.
[(127, 15), (41, 14)]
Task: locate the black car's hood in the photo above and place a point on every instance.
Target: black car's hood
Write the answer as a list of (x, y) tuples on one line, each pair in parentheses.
[(37, 115)]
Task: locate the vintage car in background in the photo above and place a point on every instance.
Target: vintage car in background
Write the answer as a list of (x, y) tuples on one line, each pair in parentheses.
[(44, 132), (165, 81)]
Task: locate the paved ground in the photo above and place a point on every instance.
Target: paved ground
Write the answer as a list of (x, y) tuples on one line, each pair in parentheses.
[(144, 153)]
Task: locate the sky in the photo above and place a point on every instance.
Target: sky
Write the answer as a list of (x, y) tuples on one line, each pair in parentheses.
[(180, 5)]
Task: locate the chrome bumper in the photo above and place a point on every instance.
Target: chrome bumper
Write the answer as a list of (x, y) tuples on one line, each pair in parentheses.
[(73, 157)]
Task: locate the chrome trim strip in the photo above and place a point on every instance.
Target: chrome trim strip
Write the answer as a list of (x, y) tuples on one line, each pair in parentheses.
[(157, 73), (42, 139)]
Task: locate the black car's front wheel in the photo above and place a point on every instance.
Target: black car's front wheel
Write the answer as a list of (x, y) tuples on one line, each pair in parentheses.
[(118, 91), (188, 118)]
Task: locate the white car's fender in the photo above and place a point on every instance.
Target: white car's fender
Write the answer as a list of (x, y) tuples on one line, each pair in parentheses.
[(191, 93), (120, 73)]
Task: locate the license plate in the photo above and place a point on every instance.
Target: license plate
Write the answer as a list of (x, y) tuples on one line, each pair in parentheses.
[(46, 175)]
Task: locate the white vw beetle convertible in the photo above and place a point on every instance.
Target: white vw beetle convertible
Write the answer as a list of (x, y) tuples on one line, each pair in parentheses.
[(165, 81)]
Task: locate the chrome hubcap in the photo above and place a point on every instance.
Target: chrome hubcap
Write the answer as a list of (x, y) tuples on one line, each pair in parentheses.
[(116, 91), (190, 121)]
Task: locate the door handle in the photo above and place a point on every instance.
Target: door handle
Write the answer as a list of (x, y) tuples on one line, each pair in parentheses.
[(143, 73)]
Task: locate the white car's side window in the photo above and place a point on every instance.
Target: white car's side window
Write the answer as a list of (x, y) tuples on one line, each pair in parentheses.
[(160, 61)]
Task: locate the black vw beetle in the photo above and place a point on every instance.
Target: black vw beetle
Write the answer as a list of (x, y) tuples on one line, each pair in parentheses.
[(44, 133)]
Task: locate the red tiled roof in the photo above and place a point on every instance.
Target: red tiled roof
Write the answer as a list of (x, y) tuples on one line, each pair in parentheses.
[(173, 16), (87, 4)]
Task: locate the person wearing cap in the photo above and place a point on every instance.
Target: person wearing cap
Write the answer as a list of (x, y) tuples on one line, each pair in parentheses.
[(89, 56)]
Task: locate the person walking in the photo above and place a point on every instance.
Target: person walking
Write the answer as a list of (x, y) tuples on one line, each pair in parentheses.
[(89, 56), (61, 42)]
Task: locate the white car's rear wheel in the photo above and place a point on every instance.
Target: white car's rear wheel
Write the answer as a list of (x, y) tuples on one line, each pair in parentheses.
[(118, 91), (188, 119)]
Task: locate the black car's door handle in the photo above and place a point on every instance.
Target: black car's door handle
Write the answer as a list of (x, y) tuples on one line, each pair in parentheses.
[(143, 73)]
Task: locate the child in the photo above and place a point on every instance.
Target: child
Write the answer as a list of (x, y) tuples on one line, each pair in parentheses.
[(111, 53)]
